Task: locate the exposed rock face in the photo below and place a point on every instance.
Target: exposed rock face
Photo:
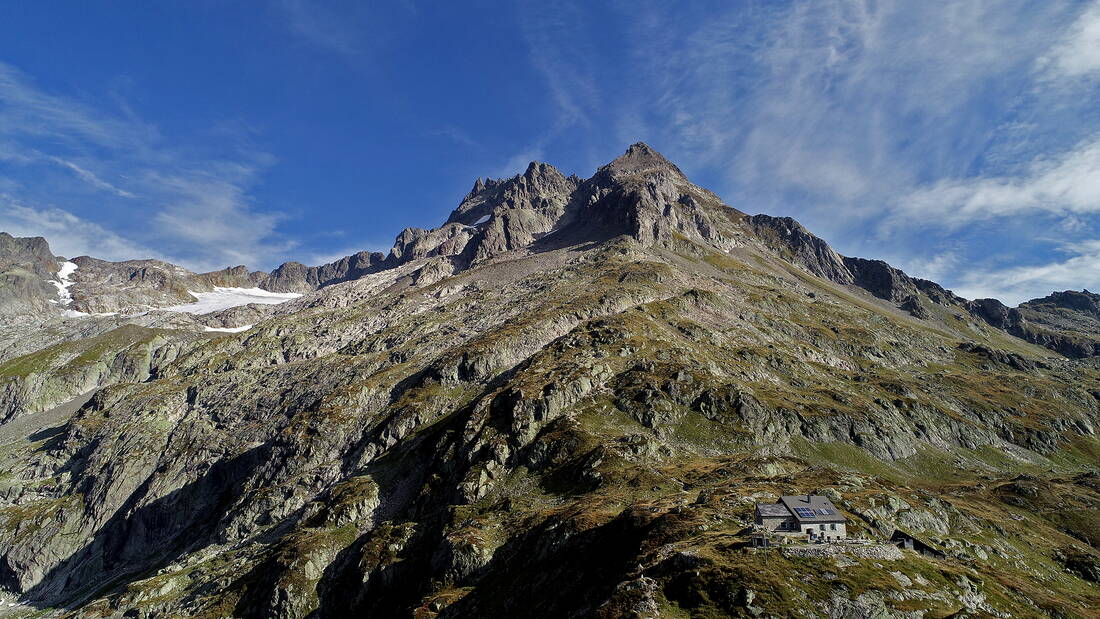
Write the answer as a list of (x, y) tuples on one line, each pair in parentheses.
[(496, 217), (102, 286), (793, 242), (541, 189), (564, 401), (881, 279), (1066, 322), (142, 284), (26, 268)]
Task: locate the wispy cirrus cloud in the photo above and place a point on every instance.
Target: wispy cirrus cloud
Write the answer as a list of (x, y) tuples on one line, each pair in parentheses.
[(830, 101), (456, 135), (1077, 54), (27, 111), (210, 207), (1078, 268), (321, 26), (90, 177), (1062, 185), (559, 40), (69, 235), (196, 209), (559, 50), (345, 27)]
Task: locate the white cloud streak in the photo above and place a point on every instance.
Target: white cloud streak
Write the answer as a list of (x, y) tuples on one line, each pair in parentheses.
[(90, 178), (840, 102), (26, 111), (562, 56), (1077, 55), (1064, 185)]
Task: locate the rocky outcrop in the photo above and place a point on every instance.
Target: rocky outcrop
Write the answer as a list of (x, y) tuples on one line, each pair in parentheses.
[(1065, 322), (142, 284), (27, 268), (1085, 304), (297, 277), (59, 373), (640, 194), (881, 279), (657, 204), (541, 188), (797, 245), (102, 286), (794, 243), (995, 313)]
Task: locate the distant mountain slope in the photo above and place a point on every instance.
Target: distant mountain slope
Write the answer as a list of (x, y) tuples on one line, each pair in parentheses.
[(563, 402)]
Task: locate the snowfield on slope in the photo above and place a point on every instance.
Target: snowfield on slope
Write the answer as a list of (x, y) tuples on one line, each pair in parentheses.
[(63, 283), (225, 298), (240, 329)]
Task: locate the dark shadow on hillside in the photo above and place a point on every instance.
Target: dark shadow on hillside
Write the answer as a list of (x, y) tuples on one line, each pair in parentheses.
[(549, 572), (135, 542), (52, 436)]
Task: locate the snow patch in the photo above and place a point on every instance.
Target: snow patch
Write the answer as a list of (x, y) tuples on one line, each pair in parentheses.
[(71, 313), (63, 283), (480, 221), (225, 298), (228, 329)]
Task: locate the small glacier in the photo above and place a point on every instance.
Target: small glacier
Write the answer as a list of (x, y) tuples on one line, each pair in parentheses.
[(225, 298)]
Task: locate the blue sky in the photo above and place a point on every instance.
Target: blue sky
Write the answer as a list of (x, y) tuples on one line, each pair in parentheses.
[(957, 140)]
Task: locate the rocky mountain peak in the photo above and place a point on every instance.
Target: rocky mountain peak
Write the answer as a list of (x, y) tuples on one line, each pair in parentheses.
[(641, 195), (641, 160), (539, 179), (537, 170)]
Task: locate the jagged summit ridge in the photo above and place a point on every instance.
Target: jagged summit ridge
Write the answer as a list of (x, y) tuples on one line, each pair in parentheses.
[(539, 187), (640, 195)]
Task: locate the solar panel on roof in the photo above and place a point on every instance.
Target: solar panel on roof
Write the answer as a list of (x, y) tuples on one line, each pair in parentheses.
[(804, 512), (824, 512)]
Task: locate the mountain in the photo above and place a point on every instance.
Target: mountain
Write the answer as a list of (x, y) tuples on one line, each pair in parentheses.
[(563, 402)]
